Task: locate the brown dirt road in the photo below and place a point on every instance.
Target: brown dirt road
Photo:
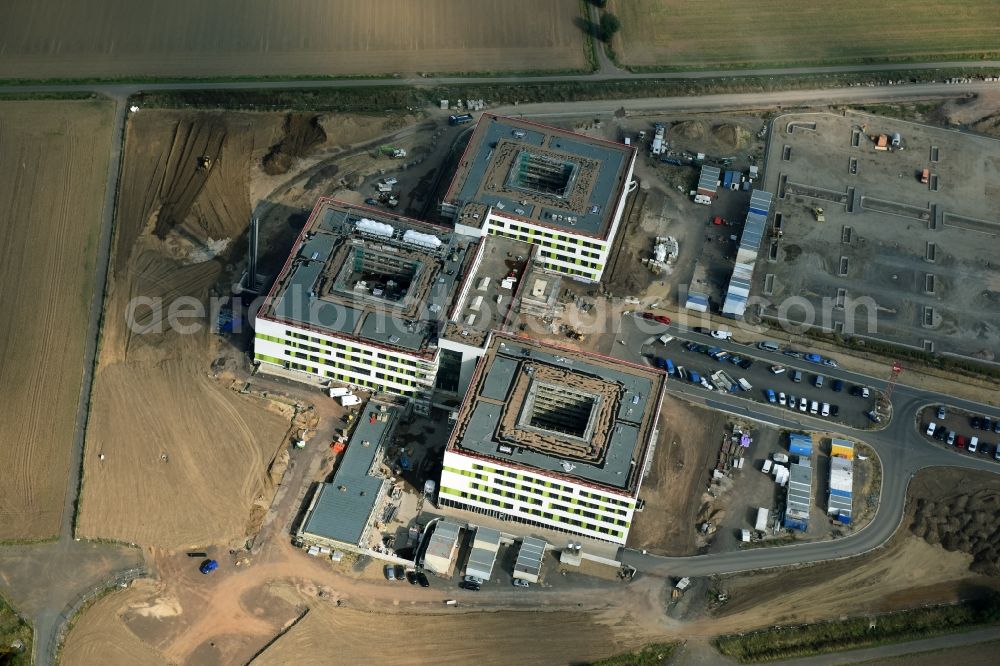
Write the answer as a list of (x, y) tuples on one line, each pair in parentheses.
[(53, 166), (46, 38)]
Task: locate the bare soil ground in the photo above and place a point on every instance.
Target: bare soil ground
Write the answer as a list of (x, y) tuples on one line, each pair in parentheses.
[(175, 458), (905, 573), (730, 33), (44, 39), (53, 167), (688, 443)]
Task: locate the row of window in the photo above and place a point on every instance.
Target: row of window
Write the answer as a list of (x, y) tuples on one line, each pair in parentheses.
[(349, 349), (347, 379), (506, 493), (579, 262), (477, 498), (537, 233), (570, 498), (340, 363)]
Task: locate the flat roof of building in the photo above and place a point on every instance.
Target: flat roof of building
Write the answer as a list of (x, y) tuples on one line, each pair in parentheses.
[(344, 506), (479, 313), (369, 275), (573, 415), (541, 174)]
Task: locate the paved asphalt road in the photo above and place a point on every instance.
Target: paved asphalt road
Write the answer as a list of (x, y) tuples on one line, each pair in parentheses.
[(902, 451), (912, 648), (900, 446)]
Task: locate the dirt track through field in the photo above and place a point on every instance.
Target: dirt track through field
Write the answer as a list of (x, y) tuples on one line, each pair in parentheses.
[(53, 165), (50, 39)]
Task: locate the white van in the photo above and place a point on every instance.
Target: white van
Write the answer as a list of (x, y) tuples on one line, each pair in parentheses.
[(825, 411), (767, 467), (814, 407), (744, 384), (767, 345), (973, 444)]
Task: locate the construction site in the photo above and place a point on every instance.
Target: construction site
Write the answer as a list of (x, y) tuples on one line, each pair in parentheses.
[(892, 225)]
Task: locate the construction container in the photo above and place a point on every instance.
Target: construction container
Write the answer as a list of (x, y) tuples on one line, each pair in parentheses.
[(800, 445)]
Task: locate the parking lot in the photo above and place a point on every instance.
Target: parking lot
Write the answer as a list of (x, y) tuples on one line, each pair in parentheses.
[(958, 428), (793, 378), (924, 253)]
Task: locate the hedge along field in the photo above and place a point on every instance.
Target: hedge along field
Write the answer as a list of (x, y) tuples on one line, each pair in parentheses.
[(733, 33)]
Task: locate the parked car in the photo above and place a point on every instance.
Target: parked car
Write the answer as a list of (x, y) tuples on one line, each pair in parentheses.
[(793, 402), (793, 353), (390, 572), (931, 427), (974, 422), (940, 413), (860, 391), (781, 399), (746, 363), (987, 424), (818, 381), (996, 427), (803, 404), (767, 345), (770, 396), (796, 376), (940, 433), (873, 416), (422, 579), (411, 577), (834, 411), (722, 335), (830, 363), (960, 441), (813, 358), (472, 587), (973, 444), (777, 369), (521, 583), (996, 454), (838, 385), (825, 409), (663, 319), (371, 202), (951, 438), (814, 407)]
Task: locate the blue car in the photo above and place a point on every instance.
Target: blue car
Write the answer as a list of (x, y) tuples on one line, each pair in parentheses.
[(770, 396), (813, 358), (208, 566)]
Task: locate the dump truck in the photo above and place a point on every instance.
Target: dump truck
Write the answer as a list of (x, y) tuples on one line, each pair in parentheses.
[(925, 176), (818, 214)]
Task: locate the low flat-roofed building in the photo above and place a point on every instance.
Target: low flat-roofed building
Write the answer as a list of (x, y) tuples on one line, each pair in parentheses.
[(342, 511), (799, 495), (560, 190), (528, 566), (442, 548), (553, 437), (483, 555), (362, 299)]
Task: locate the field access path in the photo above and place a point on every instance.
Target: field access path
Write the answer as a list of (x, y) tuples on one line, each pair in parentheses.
[(75, 569)]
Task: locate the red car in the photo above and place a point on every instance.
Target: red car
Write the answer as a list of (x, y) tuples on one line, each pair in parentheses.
[(663, 319), (718, 220), (960, 442)]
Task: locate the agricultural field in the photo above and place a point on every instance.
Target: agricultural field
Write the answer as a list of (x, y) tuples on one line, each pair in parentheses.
[(53, 169), (682, 34), (191, 38)]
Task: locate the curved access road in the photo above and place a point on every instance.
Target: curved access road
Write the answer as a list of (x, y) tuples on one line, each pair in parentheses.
[(901, 447)]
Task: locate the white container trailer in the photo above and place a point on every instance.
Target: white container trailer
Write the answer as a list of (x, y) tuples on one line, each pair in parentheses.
[(349, 399), (338, 391), (762, 518)]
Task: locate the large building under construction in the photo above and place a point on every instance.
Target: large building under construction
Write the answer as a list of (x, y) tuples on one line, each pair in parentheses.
[(553, 437), (562, 191), (362, 298)]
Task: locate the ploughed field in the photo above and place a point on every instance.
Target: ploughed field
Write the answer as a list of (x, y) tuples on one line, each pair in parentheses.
[(43, 39), (679, 33), (53, 169)]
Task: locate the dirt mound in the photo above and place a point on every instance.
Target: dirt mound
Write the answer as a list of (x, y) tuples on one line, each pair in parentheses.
[(303, 132), (732, 136), (690, 129), (964, 522)]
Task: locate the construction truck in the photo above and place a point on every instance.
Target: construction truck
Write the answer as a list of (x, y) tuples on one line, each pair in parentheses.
[(818, 214), (925, 176), (393, 152)]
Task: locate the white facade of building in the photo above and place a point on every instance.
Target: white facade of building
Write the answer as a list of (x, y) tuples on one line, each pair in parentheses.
[(534, 497), (578, 255), (342, 359)]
